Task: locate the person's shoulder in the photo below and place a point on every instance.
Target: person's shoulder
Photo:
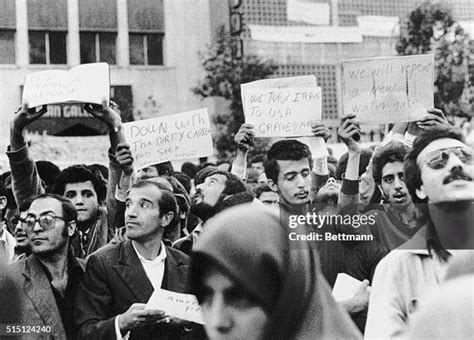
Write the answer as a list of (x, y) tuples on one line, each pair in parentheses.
[(179, 257), (107, 253)]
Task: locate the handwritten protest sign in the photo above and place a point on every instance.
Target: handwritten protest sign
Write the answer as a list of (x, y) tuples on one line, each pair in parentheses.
[(278, 109), (183, 306), (388, 89), (174, 137), (86, 83)]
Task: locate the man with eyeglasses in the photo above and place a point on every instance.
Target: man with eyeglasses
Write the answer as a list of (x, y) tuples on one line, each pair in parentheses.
[(439, 173), (46, 281)]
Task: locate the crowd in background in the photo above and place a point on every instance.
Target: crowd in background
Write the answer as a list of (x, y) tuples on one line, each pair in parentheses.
[(83, 248)]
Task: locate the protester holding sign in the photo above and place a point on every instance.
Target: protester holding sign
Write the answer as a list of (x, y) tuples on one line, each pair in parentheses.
[(84, 187)]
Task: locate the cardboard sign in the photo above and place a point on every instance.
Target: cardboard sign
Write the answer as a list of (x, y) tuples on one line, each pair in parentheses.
[(175, 137), (277, 108), (183, 306), (388, 89), (87, 83)]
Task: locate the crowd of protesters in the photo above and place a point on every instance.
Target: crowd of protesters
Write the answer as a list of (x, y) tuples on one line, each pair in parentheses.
[(259, 242)]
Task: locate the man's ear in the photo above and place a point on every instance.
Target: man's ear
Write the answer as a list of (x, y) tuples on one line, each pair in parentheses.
[(3, 202), (166, 219), (420, 193), (272, 185), (71, 228)]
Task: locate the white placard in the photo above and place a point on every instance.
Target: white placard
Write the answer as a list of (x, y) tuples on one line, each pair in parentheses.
[(180, 136), (388, 89), (183, 306), (86, 83)]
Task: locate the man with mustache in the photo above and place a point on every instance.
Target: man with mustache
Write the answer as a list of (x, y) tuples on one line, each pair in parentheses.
[(211, 196), (46, 281), (439, 172)]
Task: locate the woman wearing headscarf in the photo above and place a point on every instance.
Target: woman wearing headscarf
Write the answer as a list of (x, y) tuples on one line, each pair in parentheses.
[(252, 284)]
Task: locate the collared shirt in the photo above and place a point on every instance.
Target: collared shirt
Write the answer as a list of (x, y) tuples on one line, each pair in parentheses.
[(155, 271), (401, 279), (8, 242)]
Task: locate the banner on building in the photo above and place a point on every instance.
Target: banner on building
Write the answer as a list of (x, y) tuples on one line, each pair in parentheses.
[(388, 89), (306, 34), (379, 26), (314, 13)]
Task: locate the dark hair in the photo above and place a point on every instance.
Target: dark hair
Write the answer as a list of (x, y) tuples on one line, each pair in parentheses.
[(189, 169), (261, 189), (3, 189), (166, 202), (184, 179), (48, 172), (69, 210), (390, 153), (102, 169), (235, 199), (164, 169), (412, 171), (179, 192), (233, 184), (81, 173), (258, 159), (202, 174), (365, 156), (285, 150)]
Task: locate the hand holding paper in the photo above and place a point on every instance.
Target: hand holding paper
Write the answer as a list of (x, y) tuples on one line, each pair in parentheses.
[(182, 306)]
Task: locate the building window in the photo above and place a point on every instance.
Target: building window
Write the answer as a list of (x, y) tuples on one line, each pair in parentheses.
[(146, 49), (98, 31), (7, 47), (98, 47), (146, 31), (47, 47), (7, 31)]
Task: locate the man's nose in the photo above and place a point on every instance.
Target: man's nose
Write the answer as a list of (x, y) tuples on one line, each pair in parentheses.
[(454, 162), (218, 316), (300, 181), (398, 182)]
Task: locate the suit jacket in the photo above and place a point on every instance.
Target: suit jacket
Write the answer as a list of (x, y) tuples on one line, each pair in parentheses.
[(27, 298), (114, 280)]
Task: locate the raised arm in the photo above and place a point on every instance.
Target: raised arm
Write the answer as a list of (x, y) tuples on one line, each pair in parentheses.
[(25, 178), (108, 115), (244, 140)]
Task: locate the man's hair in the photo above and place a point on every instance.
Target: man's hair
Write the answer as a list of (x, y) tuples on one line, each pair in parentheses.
[(365, 155), (48, 172), (189, 169), (3, 189), (233, 184), (257, 159), (412, 171), (69, 210), (80, 173), (261, 189), (390, 153), (202, 174), (164, 169), (285, 150), (166, 202), (185, 180)]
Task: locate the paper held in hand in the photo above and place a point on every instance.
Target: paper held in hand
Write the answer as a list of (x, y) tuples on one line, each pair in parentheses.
[(182, 306), (169, 138), (345, 287), (388, 89), (86, 83)]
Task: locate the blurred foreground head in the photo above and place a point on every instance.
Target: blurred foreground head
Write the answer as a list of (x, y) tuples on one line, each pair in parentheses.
[(252, 284)]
